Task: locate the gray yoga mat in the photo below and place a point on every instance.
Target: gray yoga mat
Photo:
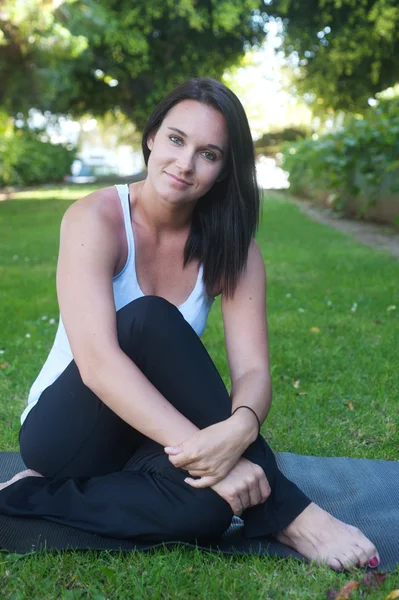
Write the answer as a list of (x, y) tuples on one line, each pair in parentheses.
[(364, 493)]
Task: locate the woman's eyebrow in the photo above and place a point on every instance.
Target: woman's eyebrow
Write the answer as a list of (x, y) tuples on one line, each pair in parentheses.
[(185, 135)]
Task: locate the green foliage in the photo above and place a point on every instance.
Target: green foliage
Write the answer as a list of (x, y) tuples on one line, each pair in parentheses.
[(271, 142), (26, 160), (347, 49), (356, 158), (83, 56)]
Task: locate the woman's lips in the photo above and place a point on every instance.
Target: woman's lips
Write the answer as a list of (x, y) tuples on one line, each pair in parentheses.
[(177, 181)]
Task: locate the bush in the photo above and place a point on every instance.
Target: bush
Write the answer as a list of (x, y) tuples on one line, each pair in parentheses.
[(26, 160), (271, 143), (357, 158)]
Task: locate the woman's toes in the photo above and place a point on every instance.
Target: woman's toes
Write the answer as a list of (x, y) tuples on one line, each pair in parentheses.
[(361, 556), (371, 553), (349, 560), (364, 549), (364, 559), (374, 562), (323, 538), (335, 564)]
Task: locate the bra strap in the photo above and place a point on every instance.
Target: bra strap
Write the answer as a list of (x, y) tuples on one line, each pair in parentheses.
[(128, 199)]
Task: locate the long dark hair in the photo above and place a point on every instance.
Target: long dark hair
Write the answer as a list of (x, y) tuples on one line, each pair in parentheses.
[(226, 218)]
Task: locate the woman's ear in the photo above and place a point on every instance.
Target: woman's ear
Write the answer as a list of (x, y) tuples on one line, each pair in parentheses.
[(150, 141)]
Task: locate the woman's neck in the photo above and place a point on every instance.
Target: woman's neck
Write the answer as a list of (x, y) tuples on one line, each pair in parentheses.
[(156, 214)]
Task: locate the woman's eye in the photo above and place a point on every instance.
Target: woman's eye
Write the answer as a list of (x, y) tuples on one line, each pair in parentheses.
[(175, 139)]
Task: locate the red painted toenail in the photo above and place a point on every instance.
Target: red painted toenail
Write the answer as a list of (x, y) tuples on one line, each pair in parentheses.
[(374, 562)]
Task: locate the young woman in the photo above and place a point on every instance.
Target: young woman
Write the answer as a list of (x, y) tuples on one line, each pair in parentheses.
[(128, 379)]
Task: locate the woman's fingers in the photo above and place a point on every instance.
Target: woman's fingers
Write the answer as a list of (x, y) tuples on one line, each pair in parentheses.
[(204, 482), (254, 495), (237, 507), (247, 498), (187, 463), (219, 474), (264, 487), (180, 461), (241, 492), (199, 471), (258, 490), (253, 492)]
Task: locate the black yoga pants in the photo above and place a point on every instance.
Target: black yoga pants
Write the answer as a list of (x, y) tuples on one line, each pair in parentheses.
[(103, 476)]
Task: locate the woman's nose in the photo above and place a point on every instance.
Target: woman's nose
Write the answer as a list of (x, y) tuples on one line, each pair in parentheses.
[(185, 161)]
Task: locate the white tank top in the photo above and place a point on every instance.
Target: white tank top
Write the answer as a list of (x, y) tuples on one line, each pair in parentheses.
[(126, 288)]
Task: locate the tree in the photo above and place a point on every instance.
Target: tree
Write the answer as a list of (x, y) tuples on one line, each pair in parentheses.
[(347, 49), (79, 56)]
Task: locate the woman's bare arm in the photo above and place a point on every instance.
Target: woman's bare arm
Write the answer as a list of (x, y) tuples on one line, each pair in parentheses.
[(213, 451), (89, 251), (246, 335)]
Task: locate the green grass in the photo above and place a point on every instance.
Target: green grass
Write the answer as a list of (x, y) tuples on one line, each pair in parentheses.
[(315, 275)]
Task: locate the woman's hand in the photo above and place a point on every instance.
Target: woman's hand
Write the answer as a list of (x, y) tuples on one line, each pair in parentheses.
[(246, 485), (212, 452)]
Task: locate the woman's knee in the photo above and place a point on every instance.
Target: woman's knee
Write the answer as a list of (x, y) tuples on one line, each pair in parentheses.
[(147, 316), (147, 307)]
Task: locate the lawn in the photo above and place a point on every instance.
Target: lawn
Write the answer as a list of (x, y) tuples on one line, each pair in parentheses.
[(332, 329)]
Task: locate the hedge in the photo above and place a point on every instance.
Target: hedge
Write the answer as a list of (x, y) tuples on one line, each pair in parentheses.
[(26, 160), (355, 160)]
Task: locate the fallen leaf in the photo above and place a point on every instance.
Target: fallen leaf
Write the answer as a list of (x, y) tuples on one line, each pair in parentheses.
[(190, 569), (392, 595), (350, 405), (4, 365), (314, 330), (373, 580), (68, 585), (302, 393), (378, 322), (296, 383), (392, 307), (348, 588)]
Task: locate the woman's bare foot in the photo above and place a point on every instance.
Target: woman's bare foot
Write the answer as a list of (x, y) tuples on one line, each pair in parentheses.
[(21, 475), (319, 536)]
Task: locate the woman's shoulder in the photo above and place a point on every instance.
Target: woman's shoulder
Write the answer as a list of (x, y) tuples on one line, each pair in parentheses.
[(95, 220), (103, 204)]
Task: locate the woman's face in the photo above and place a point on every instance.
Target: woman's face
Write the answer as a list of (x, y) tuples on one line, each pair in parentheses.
[(188, 152)]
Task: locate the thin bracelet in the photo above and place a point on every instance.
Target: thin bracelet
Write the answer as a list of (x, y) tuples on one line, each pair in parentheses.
[(244, 406)]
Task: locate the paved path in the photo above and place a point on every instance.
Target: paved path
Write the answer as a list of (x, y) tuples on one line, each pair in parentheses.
[(371, 234)]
